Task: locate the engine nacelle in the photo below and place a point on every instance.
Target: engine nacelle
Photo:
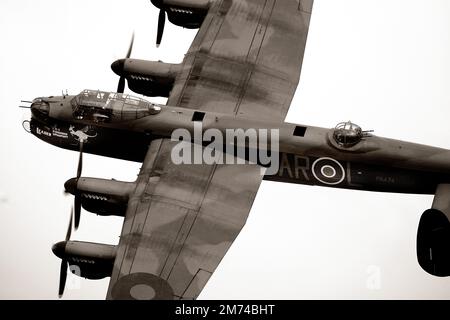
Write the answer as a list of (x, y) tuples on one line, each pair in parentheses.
[(87, 259), (184, 13), (433, 243), (150, 78), (100, 196)]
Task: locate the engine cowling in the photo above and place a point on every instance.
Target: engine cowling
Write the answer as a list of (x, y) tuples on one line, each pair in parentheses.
[(87, 259), (184, 13), (100, 196), (150, 78), (433, 243)]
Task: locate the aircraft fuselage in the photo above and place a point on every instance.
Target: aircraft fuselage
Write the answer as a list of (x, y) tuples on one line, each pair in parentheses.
[(307, 154)]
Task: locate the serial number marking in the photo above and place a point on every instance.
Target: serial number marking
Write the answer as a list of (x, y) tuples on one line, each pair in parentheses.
[(253, 309), (385, 179)]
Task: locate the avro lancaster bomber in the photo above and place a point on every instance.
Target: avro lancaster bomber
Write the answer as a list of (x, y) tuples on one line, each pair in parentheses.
[(240, 73)]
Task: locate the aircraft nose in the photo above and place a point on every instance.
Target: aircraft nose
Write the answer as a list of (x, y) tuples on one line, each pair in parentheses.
[(59, 249), (40, 108), (71, 185), (118, 66)]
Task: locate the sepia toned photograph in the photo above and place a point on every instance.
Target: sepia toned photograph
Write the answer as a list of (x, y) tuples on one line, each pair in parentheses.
[(225, 150)]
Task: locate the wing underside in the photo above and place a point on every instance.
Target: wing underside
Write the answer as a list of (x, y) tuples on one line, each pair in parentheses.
[(246, 58), (180, 222)]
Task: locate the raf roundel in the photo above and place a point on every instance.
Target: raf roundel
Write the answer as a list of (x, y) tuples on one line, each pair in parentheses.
[(328, 171), (141, 286)]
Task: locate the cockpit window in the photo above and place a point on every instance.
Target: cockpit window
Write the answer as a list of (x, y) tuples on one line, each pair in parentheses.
[(100, 106)]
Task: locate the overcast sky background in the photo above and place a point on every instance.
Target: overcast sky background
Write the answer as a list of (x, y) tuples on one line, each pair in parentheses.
[(384, 64)]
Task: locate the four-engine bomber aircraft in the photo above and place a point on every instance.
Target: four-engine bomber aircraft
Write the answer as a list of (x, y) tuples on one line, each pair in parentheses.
[(240, 72)]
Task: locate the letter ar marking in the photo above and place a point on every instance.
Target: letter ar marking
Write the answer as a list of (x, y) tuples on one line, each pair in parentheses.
[(301, 164), (285, 165)]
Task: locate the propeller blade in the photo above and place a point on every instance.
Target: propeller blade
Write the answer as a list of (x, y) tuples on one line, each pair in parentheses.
[(77, 210), (130, 48), (69, 229), (62, 277), (57, 250), (161, 24), (121, 85), (80, 160), (77, 201)]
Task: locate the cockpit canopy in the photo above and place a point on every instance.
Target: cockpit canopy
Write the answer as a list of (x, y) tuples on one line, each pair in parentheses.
[(347, 134), (100, 106)]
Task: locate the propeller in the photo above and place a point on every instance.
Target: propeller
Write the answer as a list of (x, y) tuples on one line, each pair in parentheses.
[(121, 85), (77, 202), (64, 264), (161, 19), (161, 24)]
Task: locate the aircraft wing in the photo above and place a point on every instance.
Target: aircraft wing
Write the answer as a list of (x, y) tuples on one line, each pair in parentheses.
[(180, 222), (181, 219), (246, 58)]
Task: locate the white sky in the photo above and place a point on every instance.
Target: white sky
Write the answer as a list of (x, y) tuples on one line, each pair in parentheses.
[(383, 64)]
